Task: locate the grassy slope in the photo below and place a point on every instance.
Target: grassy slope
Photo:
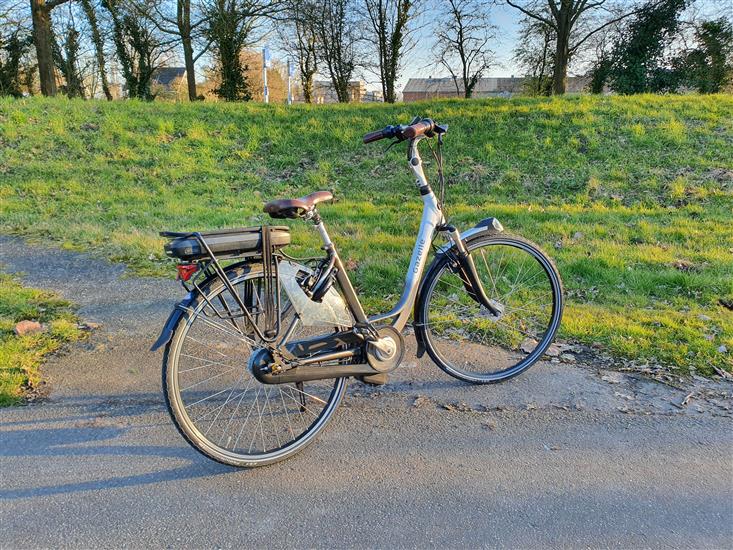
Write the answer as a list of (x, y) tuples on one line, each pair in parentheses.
[(619, 190), (21, 357)]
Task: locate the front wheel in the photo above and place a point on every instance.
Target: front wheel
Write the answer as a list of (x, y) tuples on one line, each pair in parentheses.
[(462, 336)]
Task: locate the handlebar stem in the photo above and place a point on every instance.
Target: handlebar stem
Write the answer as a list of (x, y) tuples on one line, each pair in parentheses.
[(415, 162)]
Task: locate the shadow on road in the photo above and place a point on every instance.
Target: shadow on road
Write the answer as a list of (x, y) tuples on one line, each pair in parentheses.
[(99, 430)]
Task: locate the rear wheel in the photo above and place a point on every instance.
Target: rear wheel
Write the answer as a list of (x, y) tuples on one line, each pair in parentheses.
[(462, 336), (215, 401)]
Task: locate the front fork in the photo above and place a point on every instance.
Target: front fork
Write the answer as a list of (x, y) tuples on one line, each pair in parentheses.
[(466, 270)]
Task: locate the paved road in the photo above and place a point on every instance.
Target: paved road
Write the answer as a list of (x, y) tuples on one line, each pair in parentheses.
[(566, 455)]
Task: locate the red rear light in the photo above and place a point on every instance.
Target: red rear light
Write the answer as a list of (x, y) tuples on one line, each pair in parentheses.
[(185, 271)]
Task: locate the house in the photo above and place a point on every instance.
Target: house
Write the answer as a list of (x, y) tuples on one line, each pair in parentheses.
[(167, 77), (373, 96), (418, 89), (324, 92)]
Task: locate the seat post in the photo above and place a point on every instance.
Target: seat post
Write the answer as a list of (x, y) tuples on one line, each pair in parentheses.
[(315, 217)]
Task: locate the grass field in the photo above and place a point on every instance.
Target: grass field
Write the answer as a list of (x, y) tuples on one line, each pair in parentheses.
[(21, 356), (633, 196)]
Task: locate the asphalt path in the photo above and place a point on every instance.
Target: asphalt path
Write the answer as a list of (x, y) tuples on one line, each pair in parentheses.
[(563, 456)]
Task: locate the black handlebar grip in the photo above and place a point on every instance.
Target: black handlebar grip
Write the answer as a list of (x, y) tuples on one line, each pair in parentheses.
[(418, 129), (374, 136)]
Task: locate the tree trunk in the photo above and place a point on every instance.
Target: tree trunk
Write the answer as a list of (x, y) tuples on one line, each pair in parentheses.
[(562, 57), (98, 46), (390, 97), (183, 16), (190, 68), (42, 35), (307, 84)]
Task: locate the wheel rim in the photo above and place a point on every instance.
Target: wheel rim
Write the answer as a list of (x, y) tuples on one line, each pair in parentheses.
[(224, 409), (465, 338)]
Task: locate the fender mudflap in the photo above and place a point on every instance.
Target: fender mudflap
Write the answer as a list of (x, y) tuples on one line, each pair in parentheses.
[(170, 325)]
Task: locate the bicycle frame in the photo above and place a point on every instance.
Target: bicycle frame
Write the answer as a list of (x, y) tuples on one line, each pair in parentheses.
[(432, 219)]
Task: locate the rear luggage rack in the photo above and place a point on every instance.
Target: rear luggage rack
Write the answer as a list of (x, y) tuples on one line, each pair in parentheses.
[(224, 243), (208, 248)]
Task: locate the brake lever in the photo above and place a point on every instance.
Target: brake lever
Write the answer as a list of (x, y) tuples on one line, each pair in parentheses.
[(392, 144)]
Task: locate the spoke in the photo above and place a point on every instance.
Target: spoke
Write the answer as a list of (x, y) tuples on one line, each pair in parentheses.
[(205, 398), (493, 282), (209, 378), (517, 329), (272, 417), (209, 362), (287, 415), (246, 419), (515, 288), (225, 402), (500, 271), (212, 410), (527, 279), (225, 330), (236, 409), (297, 402), (513, 310), (303, 420), (189, 337)]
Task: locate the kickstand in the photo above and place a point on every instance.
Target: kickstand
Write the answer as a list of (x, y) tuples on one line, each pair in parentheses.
[(301, 393)]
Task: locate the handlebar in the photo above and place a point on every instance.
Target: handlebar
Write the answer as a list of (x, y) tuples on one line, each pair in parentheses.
[(425, 127)]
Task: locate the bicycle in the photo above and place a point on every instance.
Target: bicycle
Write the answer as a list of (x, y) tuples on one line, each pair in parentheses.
[(258, 352)]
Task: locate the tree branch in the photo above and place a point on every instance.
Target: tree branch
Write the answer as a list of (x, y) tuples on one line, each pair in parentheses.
[(532, 14), (51, 4), (573, 48)]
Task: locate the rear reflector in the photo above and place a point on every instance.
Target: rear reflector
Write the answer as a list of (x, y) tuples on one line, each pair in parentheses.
[(185, 271)]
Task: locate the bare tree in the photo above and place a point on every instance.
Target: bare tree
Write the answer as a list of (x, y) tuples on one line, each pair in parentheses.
[(299, 38), (43, 41), (535, 55), (185, 20), (563, 16), (462, 36), (388, 21), (338, 39)]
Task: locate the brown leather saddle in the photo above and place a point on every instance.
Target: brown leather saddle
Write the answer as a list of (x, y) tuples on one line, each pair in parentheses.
[(296, 208)]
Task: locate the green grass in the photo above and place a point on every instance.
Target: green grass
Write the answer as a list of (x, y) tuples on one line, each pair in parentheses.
[(21, 356), (633, 196)]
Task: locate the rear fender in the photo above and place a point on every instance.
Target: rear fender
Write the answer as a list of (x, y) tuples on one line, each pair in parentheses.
[(170, 325), (181, 307)]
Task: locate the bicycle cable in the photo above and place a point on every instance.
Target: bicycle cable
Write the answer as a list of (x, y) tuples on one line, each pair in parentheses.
[(441, 176)]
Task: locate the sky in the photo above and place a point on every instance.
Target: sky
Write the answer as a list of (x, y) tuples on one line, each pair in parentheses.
[(506, 20), (419, 62)]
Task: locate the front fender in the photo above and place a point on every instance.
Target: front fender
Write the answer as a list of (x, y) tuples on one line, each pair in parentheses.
[(170, 325), (488, 225)]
